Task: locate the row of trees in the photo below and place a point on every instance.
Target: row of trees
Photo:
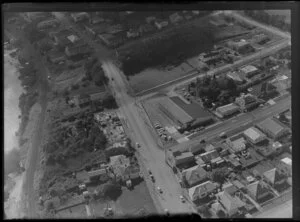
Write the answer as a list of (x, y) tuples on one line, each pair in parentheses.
[(94, 72), (215, 90), (274, 20)]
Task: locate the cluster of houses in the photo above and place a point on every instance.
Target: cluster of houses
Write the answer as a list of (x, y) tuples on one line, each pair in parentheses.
[(218, 56), (114, 35), (249, 183), (243, 103)]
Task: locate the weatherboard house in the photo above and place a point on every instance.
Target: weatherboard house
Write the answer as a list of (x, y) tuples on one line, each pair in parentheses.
[(202, 190), (194, 176), (258, 190), (272, 128), (230, 200)]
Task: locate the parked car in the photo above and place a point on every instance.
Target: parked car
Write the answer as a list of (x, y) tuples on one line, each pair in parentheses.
[(152, 178), (159, 190), (223, 135), (182, 199)]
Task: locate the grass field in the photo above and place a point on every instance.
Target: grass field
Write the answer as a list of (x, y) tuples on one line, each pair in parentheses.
[(152, 77), (194, 110)]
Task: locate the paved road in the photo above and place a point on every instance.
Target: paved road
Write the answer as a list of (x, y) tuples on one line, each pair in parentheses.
[(33, 155), (150, 154), (268, 28), (240, 123), (191, 77)]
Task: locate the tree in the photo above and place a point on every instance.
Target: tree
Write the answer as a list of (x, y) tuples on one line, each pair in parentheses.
[(221, 214), (50, 160), (204, 210), (109, 102), (111, 190), (219, 176), (49, 205)]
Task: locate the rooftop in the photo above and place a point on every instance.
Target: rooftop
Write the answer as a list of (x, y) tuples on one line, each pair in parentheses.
[(98, 172), (249, 68), (194, 175), (254, 134), (287, 161), (228, 107), (271, 125), (203, 188)]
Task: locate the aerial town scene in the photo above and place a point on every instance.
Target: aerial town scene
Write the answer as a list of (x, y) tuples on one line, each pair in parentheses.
[(137, 113)]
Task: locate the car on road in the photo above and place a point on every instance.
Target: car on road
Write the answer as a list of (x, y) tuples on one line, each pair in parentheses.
[(159, 190), (152, 178), (182, 198), (223, 135)]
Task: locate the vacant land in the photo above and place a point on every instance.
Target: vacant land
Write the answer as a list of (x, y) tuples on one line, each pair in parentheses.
[(194, 110)]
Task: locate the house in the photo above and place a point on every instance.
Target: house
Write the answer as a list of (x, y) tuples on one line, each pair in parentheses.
[(246, 102), (272, 128), (236, 143), (56, 202), (131, 173), (254, 135), (227, 110), (56, 56), (180, 159), (65, 38), (37, 15), (114, 29), (209, 156), (150, 19), (82, 100), (229, 199), (111, 40), (242, 47), (258, 190), (274, 177), (146, 28), (96, 29), (119, 148), (132, 33), (286, 165), (196, 149), (261, 39), (202, 190), (119, 164), (80, 16), (249, 71), (96, 20), (99, 175), (175, 18), (233, 161), (250, 158), (161, 23), (235, 77), (83, 177), (51, 23), (277, 147), (194, 176), (265, 150), (77, 50)]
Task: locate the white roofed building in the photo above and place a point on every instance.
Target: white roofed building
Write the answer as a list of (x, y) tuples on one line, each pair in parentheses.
[(254, 135)]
